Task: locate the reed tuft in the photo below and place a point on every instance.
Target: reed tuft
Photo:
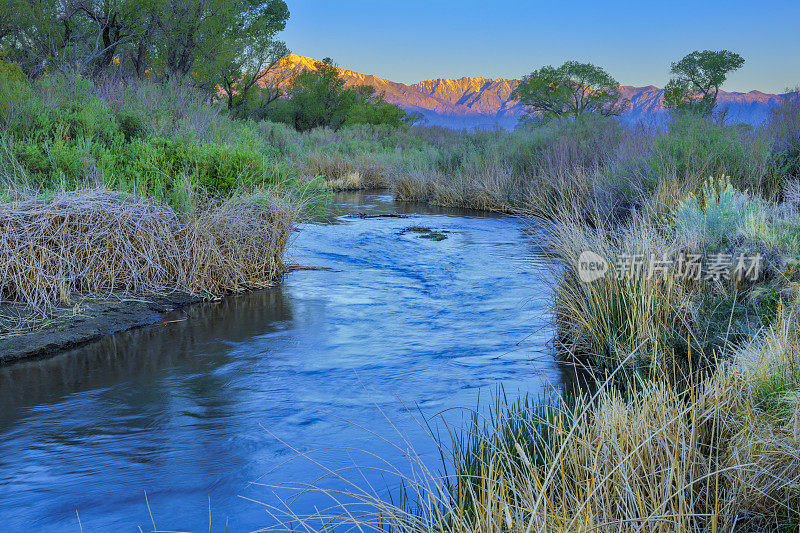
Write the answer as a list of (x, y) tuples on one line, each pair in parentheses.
[(101, 241)]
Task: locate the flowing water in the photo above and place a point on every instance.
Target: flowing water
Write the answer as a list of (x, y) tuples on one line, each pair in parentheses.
[(195, 409)]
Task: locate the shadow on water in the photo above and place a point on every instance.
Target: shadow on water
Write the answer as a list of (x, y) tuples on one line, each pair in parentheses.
[(136, 355), (191, 409)]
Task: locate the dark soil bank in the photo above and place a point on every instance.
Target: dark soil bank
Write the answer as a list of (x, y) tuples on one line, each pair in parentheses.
[(95, 320)]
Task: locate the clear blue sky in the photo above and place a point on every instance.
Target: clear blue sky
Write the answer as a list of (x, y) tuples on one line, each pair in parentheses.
[(413, 40)]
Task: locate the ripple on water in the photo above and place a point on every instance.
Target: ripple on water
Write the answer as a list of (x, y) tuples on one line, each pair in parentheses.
[(193, 409)]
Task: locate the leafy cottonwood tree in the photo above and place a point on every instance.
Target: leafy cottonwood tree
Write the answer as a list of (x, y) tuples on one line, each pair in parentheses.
[(570, 90), (319, 98), (371, 107), (86, 34), (211, 42), (217, 42), (698, 77), (252, 78)]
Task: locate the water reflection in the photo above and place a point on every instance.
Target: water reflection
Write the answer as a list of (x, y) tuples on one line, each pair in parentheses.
[(139, 354)]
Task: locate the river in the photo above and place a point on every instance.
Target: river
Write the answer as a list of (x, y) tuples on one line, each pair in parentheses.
[(393, 327)]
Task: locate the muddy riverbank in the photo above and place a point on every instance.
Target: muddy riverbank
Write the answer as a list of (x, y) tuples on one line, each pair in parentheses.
[(24, 337)]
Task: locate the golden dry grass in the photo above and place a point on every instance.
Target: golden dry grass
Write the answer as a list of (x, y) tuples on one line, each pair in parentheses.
[(496, 189), (347, 174), (100, 241), (603, 321)]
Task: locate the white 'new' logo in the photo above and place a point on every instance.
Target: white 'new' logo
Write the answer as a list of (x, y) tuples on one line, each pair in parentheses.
[(592, 267)]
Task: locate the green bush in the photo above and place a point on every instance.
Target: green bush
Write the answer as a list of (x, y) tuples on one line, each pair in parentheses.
[(159, 140), (318, 98), (712, 216), (11, 71), (13, 88), (131, 124), (694, 148)]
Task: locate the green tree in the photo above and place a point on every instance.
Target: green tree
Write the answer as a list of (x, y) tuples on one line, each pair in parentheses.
[(371, 107), (31, 31), (86, 34), (319, 98), (251, 79), (697, 79), (569, 91), (210, 42)]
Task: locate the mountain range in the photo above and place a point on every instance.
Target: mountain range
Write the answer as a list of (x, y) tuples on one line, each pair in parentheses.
[(485, 103)]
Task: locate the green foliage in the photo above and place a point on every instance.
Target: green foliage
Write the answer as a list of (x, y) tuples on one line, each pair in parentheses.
[(519, 434), (694, 148), (712, 215), (13, 87), (769, 308), (776, 391), (756, 225), (374, 109), (788, 234), (228, 43), (251, 101), (10, 71), (251, 79), (319, 98), (570, 90), (64, 133), (698, 77)]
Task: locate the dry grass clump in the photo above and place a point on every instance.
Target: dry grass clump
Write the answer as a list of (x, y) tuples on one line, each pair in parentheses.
[(348, 174), (100, 241), (589, 192), (494, 189), (708, 459), (239, 244), (652, 301), (632, 311)]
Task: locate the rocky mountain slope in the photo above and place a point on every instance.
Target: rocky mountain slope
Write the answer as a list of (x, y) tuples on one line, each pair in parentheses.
[(483, 102)]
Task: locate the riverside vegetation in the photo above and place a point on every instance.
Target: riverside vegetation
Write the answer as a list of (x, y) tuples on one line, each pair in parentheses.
[(111, 188), (117, 184), (693, 422)]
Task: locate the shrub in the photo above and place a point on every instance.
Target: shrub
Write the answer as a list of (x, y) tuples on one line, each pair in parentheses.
[(136, 138), (10, 71), (694, 148), (13, 89), (710, 217), (318, 98)]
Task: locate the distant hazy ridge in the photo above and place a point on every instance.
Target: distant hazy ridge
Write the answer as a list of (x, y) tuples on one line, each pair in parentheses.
[(469, 102)]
